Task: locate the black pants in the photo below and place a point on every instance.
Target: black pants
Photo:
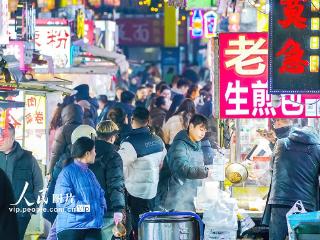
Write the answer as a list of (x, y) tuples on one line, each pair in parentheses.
[(138, 206), (81, 234), (278, 229), (23, 223)]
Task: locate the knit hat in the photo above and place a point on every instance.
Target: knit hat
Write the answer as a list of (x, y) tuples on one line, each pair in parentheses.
[(83, 131), (82, 92)]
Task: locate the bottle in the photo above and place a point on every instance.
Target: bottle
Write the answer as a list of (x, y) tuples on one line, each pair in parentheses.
[(197, 24)]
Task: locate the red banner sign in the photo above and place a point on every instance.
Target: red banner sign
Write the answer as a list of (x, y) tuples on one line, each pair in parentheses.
[(243, 82)]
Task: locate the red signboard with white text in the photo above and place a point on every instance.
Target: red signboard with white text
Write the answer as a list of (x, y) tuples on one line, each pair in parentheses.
[(244, 82)]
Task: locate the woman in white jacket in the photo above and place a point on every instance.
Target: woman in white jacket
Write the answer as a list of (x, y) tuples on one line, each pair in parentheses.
[(179, 121)]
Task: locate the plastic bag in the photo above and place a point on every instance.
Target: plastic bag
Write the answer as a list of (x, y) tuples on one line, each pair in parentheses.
[(222, 214), (296, 209), (246, 223)]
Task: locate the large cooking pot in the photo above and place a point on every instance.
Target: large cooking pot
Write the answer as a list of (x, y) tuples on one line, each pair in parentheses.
[(170, 226)]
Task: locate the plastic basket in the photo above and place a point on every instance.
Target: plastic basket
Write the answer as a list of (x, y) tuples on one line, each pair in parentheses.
[(310, 217)]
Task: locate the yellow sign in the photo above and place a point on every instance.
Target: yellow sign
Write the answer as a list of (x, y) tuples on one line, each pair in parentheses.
[(171, 35), (80, 24), (262, 17)]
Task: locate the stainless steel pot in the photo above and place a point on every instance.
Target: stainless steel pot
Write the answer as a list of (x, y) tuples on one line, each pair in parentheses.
[(170, 226)]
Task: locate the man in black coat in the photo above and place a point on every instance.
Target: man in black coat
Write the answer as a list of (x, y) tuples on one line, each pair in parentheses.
[(24, 173), (108, 169), (295, 172), (8, 219)]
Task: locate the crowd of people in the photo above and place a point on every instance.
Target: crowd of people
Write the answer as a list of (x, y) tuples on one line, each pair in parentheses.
[(113, 160)]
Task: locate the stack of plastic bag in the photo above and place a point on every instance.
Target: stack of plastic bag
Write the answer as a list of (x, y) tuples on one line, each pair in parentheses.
[(220, 218)]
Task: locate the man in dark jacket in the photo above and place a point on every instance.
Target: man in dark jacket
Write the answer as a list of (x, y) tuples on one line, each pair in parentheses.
[(295, 177), (282, 128), (108, 169), (25, 176), (186, 164), (72, 117), (8, 219)]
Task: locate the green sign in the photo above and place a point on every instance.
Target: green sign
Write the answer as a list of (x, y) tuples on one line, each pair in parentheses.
[(196, 4)]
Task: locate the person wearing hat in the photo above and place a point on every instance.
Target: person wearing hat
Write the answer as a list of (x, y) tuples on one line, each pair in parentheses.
[(83, 94), (108, 169)]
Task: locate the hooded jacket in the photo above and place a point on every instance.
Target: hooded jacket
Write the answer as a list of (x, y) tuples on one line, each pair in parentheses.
[(21, 168), (142, 154), (186, 164), (296, 169), (108, 169), (72, 117)]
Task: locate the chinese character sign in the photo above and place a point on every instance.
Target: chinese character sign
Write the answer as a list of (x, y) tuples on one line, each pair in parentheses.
[(4, 22), (294, 44), (243, 81), (35, 125), (54, 41)]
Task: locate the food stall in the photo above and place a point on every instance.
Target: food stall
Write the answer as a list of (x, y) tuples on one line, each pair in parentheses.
[(244, 110), (30, 111)]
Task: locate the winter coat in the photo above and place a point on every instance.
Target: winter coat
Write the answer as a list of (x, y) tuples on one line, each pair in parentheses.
[(72, 117), (108, 169), (185, 161), (281, 133), (21, 168), (296, 170), (157, 117), (172, 127), (87, 207), (142, 154), (8, 219)]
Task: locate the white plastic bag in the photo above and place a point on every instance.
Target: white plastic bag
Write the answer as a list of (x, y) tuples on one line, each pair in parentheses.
[(296, 209)]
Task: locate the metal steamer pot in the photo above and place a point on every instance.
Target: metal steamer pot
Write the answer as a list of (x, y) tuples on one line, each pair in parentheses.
[(170, 226)]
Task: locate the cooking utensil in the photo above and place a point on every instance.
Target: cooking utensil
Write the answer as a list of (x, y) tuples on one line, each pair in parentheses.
[(236, 173)]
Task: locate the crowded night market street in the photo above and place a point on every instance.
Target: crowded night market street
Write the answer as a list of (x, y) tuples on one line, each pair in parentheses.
[(159, 119)]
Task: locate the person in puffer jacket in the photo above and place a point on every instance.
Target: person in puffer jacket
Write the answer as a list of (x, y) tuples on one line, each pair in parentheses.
[(72, 117), (186, 163), (81, 204), (142, 154), (294, 177)]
